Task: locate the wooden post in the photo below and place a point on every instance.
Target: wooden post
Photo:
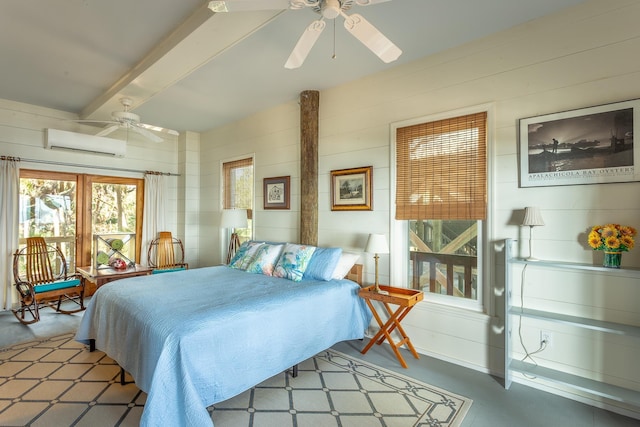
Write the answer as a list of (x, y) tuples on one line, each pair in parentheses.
[(309, 105)]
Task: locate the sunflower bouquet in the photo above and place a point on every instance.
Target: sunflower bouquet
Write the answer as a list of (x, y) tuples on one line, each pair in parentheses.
[(612, 238)]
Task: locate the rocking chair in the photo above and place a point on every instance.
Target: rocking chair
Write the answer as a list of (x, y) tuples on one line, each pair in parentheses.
[(41, 278), (166, 253)]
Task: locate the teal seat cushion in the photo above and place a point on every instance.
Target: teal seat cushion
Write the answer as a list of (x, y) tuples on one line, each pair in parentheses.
[(167, 270), (57, 285)]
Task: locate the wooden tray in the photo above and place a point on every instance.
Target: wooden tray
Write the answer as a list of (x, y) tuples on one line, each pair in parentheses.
[(400, 296)]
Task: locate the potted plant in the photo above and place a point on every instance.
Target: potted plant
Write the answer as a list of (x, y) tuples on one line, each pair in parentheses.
[(613, 239)]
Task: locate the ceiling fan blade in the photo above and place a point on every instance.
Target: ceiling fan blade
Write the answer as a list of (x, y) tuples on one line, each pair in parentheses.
[(108, 130), (247, 5), (158, 129), (305, 43), (91, 121), (369, 36), (147, 134), (369, 2)]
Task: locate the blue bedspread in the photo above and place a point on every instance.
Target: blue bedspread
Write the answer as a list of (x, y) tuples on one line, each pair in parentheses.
[(197, 337)]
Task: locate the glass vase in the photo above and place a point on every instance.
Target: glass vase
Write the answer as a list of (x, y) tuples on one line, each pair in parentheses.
[(612, 259)]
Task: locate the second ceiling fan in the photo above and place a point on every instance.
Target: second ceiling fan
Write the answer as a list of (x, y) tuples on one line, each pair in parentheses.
[(355, 24), (130, 121)]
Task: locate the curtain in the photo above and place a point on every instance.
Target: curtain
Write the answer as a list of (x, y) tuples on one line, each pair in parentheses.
[(154, 211), (9, 202)]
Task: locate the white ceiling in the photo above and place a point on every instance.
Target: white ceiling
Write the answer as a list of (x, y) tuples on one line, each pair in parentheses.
[(187, 68)]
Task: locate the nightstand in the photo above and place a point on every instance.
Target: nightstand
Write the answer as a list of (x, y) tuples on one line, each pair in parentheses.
[(405, 299), (94, 278)]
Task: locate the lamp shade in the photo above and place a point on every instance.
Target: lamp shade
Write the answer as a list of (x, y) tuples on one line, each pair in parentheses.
[(233, 218), (377, 244), (532, 217)]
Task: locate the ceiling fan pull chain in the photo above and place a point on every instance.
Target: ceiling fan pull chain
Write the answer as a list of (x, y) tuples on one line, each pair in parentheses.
[(334, 40)]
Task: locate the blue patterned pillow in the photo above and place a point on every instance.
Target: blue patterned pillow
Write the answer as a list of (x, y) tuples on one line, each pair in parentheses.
[(322, 264), (244, 255), (240, 253), (293, 261), (265, 259)]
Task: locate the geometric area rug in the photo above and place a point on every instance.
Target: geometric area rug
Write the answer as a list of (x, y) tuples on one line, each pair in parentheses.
[(58, 382)]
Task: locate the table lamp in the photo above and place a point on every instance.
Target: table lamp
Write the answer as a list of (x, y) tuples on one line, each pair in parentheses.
[(233, 219), (532, 218), (377, 244)]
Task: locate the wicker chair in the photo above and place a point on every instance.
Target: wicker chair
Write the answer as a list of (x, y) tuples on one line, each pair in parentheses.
[(41, 278), (166, 253)]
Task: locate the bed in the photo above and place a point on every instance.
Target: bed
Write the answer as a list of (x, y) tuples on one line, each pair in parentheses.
[(197, 337)]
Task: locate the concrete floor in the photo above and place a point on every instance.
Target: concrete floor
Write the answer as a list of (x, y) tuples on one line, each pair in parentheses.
[(51, 323)]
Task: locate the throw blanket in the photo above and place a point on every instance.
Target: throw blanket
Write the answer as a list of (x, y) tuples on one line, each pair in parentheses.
[(197, 337)]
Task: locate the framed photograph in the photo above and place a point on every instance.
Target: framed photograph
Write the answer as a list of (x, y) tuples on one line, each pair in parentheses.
[(587, 146), (351, 189), (277, 192)]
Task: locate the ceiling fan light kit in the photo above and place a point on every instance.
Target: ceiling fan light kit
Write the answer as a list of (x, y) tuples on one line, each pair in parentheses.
[(355, 24), (330, 9)]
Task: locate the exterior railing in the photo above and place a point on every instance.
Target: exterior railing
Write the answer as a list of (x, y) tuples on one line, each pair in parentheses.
[(455, 273)]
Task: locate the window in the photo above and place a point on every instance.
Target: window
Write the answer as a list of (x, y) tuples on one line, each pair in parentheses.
[(441, 203), (237, 189), (68, 209)]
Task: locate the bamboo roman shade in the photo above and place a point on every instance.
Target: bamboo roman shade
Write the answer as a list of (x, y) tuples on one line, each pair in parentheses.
[(442, 169), (238, 185)]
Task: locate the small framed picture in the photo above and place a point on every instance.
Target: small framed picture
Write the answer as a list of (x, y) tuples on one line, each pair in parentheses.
[(351, 189), (277, 192), (593, 145)]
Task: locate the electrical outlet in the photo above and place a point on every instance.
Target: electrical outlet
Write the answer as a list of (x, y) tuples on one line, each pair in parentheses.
[(545, 337)]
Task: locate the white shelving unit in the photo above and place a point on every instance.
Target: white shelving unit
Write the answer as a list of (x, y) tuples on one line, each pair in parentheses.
[(593, 387)]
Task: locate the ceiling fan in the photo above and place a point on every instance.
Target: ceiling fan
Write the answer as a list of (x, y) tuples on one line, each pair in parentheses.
[(129, 121), (359, 27)]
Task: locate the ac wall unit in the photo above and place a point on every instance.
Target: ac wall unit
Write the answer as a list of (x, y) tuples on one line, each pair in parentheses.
[(62, 140)]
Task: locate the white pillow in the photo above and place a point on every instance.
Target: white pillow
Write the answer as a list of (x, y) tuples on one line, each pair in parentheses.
[(347, 260)]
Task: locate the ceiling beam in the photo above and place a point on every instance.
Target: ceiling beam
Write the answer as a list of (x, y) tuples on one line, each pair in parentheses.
[(199, 39)]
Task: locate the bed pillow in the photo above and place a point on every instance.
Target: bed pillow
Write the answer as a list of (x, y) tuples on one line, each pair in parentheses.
[(244, 255), (240, 253), (264, 261), (294, 261), (322, 264), (347, 260)]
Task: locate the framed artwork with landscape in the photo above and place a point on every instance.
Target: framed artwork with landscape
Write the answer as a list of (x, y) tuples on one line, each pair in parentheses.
[(277, 193), (586, 146), (351, 189)]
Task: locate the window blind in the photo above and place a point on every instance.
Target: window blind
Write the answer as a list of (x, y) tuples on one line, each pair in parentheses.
[(238, 185), (441, 170)]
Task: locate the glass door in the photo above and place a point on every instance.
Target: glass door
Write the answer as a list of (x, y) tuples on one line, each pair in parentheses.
[(114, 219), (48, 203), (113, 211), (69, 210)]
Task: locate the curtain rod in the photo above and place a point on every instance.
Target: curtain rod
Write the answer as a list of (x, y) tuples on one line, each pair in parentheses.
[(49, 162)]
